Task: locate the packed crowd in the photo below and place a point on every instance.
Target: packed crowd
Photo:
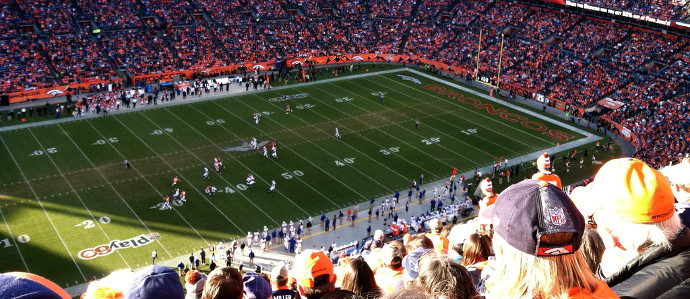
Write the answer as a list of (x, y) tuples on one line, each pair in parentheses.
[(566, 57), (675, 10), (533, 240)]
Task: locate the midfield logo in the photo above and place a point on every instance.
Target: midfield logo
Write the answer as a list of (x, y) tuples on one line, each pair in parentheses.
[(102, 250)]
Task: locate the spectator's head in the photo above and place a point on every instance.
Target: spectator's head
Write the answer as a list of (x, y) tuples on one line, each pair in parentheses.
[(443, 277), (410, 263), (314, 273), (633, 206), (279, 276), (378, 238), (195, 281), (544, 163), (29, 286), (224, 283), (341, 294), (476, 249), (155, 282), (538, 232), (256, 286), (408, 292), (358, 278), (391, 255), (435, 226), (679, 177), (419, 240), (487, 187)]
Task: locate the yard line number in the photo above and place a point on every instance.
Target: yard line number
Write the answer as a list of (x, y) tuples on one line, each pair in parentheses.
[(104, 141), (345, 161), (388, 151), (21, 239), (343, 100), (50, 150), (89, 224), (469, 131), (214, 122), (431, 140), (160, 132)]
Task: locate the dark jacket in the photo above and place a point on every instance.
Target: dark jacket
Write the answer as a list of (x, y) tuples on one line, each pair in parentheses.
[(657, 272)]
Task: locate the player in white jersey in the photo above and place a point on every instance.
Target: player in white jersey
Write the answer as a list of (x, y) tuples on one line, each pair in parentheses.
[(176, 193), (337, 133), (253, 143), (265, 152), (250, 180), (256, 237), (273, 186), (275, 151), (256, 118), (206, 173), (166, 204), (249, 240)]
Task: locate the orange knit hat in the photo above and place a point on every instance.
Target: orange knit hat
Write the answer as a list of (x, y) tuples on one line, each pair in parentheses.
[(631, 191)]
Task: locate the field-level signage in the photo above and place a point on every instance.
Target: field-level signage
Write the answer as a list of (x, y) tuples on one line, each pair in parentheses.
[(106, 249)]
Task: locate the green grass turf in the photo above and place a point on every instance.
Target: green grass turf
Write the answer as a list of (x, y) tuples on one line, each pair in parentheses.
[(65, 188)]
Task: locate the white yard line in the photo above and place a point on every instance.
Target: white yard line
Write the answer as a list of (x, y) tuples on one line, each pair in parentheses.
[(201, 160), (173, 169), (442, 119), (385, 133), (14, 241), (74, 191), (108, 182), (248, 168), (322, 149), (44, 210), (467, 109), (224, 179)]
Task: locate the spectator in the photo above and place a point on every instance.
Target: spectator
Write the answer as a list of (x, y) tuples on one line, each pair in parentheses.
[(224, 283), (29, 286), (358, 278), (256, 287), (442, 277), (440, 242), (389, 277), (644, 237), (314, 274), (279, 282), (538, 233), (194, 284), (679, 177), (475, 254), (409, 292)]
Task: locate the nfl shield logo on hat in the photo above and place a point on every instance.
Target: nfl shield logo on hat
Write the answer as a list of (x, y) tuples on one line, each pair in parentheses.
[(557, 216)]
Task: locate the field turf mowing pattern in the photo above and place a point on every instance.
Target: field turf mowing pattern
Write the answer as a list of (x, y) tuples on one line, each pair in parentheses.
[(65, 189)]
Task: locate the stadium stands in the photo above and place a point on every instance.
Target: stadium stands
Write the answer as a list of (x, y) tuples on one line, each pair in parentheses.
[(566, 57)]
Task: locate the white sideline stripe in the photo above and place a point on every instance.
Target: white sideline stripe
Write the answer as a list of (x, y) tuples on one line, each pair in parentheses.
[(44, 210), (416, 148), (173, 169), (200, 160), (325, 151), (107, 181), (224, 179), (77, 194), (455, 116), (245, 166), (14, 241)]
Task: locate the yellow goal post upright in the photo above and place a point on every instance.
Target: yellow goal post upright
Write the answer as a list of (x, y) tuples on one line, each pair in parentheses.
[(484, 80)]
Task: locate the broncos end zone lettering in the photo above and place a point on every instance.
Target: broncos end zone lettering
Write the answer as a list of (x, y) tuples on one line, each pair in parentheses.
[(511, 117)]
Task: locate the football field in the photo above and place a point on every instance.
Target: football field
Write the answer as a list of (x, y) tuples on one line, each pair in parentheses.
[(71, 212)]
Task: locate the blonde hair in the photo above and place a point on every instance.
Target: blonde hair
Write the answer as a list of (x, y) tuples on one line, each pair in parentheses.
[(519, 274)]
